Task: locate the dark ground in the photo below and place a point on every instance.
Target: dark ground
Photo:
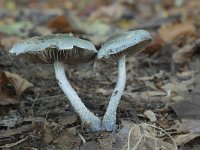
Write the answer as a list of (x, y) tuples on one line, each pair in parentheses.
[(162, 83)]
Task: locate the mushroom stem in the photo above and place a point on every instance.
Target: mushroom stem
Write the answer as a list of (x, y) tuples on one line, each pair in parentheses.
[(85, 115), (109, 119)]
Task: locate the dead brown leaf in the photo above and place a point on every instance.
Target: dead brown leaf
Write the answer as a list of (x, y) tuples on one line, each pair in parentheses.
[(114, 12), (19, 83), (47, 135), (176, 87), (150, 115), (185, 53), (185, 138), (61, 24), (186, 9), (144, 136), (11, 132), (3, 80), (185, 75), (5, 100), (191, 125), (163, 123), (167, 4), (169, 33), (134, 136), (188, 108), (1, 44), (117, 140), (154, 47), (30, 148), (8, 42), (89, 146), (69, 119), (67, 138)]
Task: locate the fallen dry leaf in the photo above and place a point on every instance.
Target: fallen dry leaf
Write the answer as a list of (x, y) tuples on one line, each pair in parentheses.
[(134, 136), (185, 75), (163, 123), (103, 91), (121, 137), (167, 4), (14, 131), (69, 119), (185, 53), (5, 100), (30, 148), (156, 93), (47, 135), (1, 44), (186, 9), (60, 24), (171, 32), (89, 146), (96, 30), (177, 98), (191, 125), (134, 131), (150, 115), (3, 80), (8, 42), (154, 47), (144, 136), (176, 87), (66, 138), (185, 138), (106, 143), (19, 83), (114, 12), (188, 108)]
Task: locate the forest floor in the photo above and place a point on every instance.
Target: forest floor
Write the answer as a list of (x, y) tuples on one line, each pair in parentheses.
[(160, 107)]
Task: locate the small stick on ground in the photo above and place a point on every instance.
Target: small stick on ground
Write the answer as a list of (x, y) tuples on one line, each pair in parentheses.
[(82, 138), (14, 144)]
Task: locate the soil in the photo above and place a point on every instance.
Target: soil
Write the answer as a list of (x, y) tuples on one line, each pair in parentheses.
[(43, 118)]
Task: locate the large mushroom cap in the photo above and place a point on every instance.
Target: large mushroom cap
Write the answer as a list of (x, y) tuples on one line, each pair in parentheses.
[(54, 47), (126, 43)]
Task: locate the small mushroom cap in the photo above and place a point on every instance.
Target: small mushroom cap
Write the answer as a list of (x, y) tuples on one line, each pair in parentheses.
[(126, 43), (54, 47)]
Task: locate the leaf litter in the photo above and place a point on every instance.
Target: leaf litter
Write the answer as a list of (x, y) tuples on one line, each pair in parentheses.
[(160, 106)]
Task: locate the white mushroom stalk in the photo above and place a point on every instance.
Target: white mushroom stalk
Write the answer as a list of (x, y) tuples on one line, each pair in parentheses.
[(109, 119), (85, 115), (117, 48)]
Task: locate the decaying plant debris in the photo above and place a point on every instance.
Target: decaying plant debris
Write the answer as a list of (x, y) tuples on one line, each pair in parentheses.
[(160, 105)]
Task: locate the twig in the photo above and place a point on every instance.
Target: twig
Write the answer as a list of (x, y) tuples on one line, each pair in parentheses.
[(14, 144), (82, 138), (50, 97)]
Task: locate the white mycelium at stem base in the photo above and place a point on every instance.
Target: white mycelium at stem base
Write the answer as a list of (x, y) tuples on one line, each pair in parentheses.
[(109, 119), (86, 116)]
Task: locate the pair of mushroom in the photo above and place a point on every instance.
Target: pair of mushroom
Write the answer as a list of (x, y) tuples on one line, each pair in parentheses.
[(64, 48)]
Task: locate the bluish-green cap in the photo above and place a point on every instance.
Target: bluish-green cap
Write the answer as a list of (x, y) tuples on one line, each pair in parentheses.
[(127, 43), (54, 47)]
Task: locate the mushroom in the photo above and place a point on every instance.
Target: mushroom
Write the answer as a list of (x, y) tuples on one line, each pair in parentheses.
[(117, 48), (59, 49)]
